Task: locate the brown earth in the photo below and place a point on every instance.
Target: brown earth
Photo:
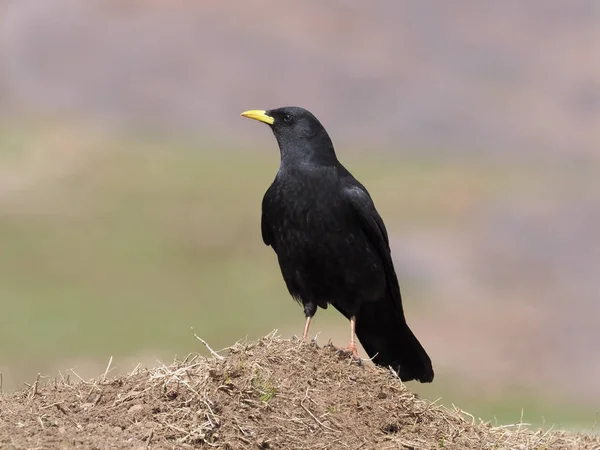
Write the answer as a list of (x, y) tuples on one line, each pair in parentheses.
[(513, 86), (270, 394)]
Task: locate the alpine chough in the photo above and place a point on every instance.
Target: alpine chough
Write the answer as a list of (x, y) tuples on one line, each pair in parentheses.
[(332, 245)]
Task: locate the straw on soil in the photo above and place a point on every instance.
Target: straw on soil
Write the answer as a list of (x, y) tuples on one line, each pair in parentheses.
[(270, 394)]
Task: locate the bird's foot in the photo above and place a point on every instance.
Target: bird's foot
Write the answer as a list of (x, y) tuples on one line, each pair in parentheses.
[(351, 351), (352, 348)]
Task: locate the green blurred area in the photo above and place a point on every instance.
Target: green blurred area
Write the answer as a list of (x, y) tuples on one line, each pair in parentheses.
[(119, 246)]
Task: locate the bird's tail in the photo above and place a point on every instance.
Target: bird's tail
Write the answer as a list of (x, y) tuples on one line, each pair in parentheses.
[(385, 336)]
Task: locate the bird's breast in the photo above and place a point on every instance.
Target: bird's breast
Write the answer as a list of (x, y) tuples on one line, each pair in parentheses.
[(310, 208), (312, 218), (322, 250)]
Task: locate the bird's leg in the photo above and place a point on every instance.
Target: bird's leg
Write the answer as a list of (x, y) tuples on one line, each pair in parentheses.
[(310, 308), (306, 326), (352, 346)]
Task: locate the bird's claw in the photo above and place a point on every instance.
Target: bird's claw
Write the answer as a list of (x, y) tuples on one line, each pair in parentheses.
[(351, 351), (347, 353)]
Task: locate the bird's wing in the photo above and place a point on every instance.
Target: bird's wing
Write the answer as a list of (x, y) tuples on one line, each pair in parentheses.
[(265, 220), (374, 228)]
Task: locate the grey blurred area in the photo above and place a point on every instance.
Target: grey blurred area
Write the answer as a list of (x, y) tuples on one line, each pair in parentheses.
[(511, 87), (518, 78)]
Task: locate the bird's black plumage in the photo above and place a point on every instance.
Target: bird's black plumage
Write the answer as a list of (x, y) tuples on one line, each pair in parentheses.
[(331, 243)]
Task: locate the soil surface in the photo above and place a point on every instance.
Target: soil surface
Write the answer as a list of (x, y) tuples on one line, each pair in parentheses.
[(270, 394)]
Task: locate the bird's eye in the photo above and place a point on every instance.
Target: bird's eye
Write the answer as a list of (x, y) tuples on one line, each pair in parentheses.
[(286, 118)]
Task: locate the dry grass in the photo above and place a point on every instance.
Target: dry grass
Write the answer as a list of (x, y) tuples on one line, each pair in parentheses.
[(270, 394)]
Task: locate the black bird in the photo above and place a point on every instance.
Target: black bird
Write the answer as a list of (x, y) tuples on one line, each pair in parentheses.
[(332, 245)]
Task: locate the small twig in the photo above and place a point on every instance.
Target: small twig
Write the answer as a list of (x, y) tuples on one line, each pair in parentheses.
[(134, 371), (313, 416), (107, 369), (59, 406), (50, 406), (173, 427), (207, 415), (317, 420), (150, 438), (89, 393), (34, 386), (511, 425), (541, 438), (244, 440), (271, 335), (212, 352), (80, 379), (394, 374), (244, 432), (460, 411), (520, 421)]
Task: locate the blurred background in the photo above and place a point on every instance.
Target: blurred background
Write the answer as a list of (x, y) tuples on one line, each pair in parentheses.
[(130, 188)]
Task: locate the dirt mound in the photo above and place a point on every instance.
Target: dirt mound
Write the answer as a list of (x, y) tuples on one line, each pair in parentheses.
[(270, 394)]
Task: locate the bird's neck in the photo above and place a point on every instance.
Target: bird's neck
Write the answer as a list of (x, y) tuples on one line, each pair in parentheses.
[(316, 151)]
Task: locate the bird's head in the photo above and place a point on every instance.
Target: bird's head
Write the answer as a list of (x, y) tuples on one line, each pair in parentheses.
[(299, 133)]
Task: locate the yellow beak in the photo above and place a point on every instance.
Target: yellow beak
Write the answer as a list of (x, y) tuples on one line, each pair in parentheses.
[(259, 115)]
